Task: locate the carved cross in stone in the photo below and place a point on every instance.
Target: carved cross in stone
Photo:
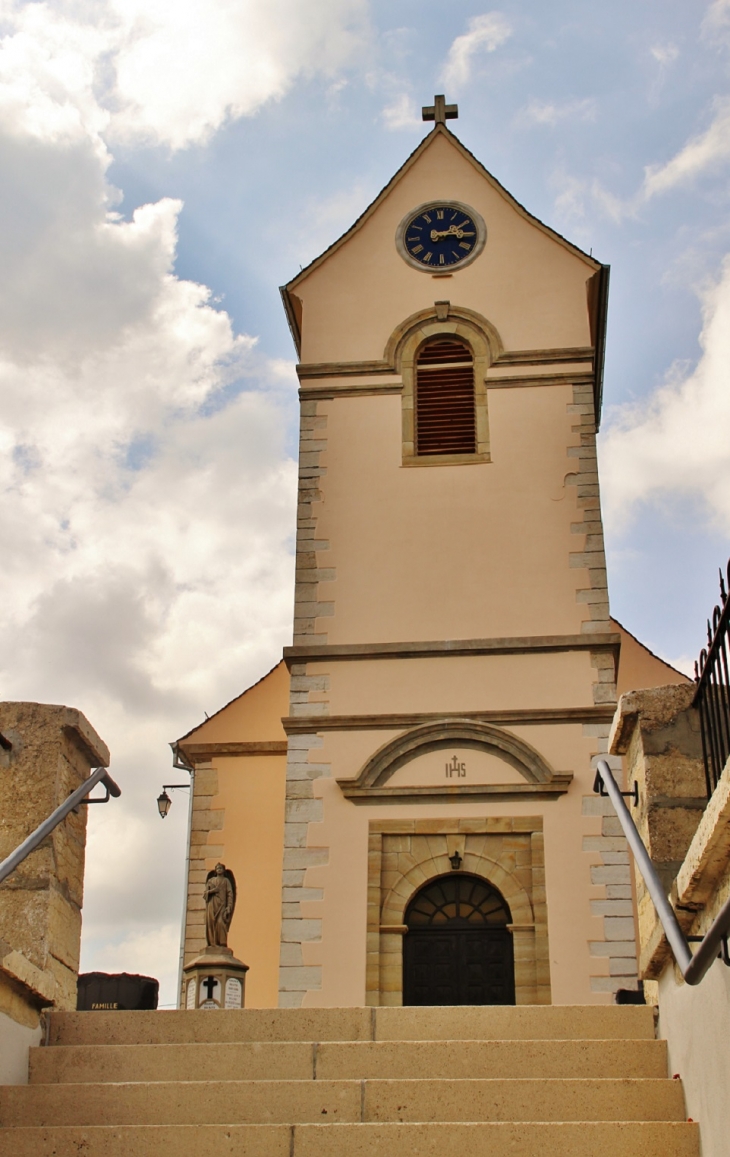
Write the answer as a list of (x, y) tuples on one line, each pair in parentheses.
[(209, 984), (440, 111)]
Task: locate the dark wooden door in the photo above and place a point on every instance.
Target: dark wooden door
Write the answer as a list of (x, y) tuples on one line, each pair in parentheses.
[(459, 966)]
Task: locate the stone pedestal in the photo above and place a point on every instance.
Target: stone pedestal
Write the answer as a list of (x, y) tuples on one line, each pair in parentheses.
[(215, 979)]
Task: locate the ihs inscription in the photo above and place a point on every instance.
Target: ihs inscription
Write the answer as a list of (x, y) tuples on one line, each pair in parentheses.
[(455, 769)]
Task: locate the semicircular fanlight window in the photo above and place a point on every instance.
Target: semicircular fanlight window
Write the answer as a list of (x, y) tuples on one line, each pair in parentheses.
[(458, 899)]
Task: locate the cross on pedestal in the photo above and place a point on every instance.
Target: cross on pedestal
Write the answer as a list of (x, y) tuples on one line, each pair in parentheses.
[(209, 985), (440, 111)]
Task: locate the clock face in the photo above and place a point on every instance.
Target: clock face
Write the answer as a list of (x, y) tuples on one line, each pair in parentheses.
[(441, 236)]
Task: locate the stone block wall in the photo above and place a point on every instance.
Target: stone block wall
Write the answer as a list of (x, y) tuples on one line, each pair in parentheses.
[(47, 752), (657, 731)]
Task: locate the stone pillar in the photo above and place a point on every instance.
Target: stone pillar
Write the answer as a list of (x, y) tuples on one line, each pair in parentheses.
[(657, 731), (523, 946), (46, 752)]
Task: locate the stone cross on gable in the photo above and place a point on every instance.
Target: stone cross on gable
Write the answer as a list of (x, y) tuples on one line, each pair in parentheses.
[(440, 111)]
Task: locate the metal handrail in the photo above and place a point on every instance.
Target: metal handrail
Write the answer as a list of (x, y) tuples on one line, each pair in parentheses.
[(692, 967), (100, 775)]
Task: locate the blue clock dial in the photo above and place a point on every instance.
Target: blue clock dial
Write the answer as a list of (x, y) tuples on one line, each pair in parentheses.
[(440, 236)]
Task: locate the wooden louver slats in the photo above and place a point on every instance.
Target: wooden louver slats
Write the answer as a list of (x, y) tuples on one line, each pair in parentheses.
[(445, 413)]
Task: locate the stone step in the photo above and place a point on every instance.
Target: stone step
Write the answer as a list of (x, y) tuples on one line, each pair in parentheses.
[(566, 1139), (527, 1022), (214, 1102), (350, 1060)]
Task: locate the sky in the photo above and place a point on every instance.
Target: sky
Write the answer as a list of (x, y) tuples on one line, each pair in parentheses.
[(166, 166)]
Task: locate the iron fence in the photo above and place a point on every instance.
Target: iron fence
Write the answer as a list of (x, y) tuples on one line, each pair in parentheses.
[(712, 698)]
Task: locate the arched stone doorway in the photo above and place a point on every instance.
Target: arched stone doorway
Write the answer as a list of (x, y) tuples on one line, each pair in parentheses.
[(458, 948)]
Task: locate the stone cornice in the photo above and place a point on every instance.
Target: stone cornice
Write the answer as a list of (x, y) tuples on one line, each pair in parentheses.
[(525, 644), (472, 793), (348, 389), (305, 724), (538, 357), (202, 752)]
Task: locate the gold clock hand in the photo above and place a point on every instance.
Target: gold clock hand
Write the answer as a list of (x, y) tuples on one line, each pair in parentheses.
[(452, 231)]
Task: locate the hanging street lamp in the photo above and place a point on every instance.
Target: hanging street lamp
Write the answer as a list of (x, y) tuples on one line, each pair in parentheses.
[(164, 803)]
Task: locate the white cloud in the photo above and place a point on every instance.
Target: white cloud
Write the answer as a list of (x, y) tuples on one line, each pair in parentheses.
[(170, 73), (703, 152), (685, 664), (717, 18), (578, 199), (327, 218), (149, 951), (677, 443), (551, 112), (146, 497), (178, 76), (484, 33), (402, 113), (664, 54)]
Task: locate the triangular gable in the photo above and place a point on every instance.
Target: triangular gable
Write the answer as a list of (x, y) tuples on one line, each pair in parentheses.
[(639, 667), (253, 715), (598, 273), (427, 141)]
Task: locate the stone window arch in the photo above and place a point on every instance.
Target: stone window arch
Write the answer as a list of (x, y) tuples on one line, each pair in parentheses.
[(476, 862)]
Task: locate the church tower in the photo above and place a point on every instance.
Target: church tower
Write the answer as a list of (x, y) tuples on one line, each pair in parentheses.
[(453, 657), (453, 667)]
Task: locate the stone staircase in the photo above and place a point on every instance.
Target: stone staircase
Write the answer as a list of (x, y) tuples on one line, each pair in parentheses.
[(355, 1082)]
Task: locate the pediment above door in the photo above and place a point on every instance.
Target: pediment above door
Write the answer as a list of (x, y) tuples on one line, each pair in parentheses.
[(458, 759)]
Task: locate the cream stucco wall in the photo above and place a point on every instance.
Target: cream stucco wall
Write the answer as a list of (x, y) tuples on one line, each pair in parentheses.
[(239, 760), (253, 716), (456, 552), (456, 683), (251, 797), (639, 667)]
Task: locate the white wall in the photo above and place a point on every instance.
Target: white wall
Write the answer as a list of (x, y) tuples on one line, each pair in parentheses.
[(695, 1022), (15, 1040)]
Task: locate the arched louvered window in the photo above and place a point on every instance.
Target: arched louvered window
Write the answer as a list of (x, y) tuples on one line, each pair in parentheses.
[(445, 409)]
